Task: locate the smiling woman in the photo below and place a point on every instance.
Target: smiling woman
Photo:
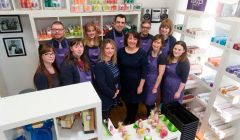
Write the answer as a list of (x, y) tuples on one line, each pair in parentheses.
[(47, 75), (132, 65), (107, 76), (75, 67), (176, 74)]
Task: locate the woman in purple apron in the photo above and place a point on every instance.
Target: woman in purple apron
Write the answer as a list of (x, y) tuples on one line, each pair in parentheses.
[(146, 38), (92, 43), (155, 70), (176, 74), (75, 67), (107, 76), (47, 74), (166, 29)]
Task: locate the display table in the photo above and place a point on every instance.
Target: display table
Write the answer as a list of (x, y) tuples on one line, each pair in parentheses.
[(133, 135)]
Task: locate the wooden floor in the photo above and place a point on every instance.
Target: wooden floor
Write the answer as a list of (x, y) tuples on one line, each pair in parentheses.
[(118, 114)]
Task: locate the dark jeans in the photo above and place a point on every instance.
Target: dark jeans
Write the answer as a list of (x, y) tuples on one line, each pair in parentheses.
[(132, 109)]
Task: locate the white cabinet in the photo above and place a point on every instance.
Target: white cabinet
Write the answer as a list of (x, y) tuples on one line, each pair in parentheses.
[(20, 110), (219, 26)]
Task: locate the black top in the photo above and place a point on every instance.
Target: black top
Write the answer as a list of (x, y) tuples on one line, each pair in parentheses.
[(105, 84), (132, 69), (41, 81), (182, 70), (69, 73), (162, 60)]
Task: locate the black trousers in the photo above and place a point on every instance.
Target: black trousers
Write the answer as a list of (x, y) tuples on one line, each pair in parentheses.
[(132, 109), (149, 109), (105, 114)]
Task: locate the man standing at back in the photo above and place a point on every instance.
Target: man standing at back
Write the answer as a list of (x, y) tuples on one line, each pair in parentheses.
[(117, 33), (59, 42)]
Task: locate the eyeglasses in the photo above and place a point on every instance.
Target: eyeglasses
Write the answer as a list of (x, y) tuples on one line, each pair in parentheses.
[(49, 54), (57, 30), (146, 27)]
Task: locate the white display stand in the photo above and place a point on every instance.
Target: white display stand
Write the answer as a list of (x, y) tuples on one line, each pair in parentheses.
[(229, 56), (43, 18), (20, 110), (155, 135)]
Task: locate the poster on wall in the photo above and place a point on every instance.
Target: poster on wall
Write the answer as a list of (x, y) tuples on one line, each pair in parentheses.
[(14, 46), (10, 24)]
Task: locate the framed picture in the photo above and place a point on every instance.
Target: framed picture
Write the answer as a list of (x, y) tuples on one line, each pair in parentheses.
[(10, 24), (14, 46)]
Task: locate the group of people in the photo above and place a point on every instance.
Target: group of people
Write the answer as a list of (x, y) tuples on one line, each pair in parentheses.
[(136, 67)]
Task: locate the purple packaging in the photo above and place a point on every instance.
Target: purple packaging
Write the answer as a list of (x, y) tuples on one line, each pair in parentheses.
[(198, 5)]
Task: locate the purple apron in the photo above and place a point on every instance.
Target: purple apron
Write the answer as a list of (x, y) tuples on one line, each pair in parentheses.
[(93, 54), (145, 44), (170, 84), (60, 53), (84, 76), (118, 40), (152, 73), (166, 48)]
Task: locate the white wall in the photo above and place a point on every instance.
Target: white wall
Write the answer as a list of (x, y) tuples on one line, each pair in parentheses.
[(16, 73), (156, 4)]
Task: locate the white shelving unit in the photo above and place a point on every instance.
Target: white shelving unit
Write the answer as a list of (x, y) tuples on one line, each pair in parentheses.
[(43, 18), (230, 25), (20, 110)]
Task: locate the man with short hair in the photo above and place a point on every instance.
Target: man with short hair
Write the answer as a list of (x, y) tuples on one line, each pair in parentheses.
[(59, 42), (117, 33)]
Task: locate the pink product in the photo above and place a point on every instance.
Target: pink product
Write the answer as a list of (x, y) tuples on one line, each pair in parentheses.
[(28, 3), (76, 8), (193, 49), (111, 1), (236, 46)]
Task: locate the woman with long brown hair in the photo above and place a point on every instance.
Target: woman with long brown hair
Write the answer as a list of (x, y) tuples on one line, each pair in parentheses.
[(107, 76), (176, 73), (75, 67), (92, 43), (47, 75)]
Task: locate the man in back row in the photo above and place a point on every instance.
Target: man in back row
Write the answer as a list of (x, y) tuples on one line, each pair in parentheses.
[(59, 42), (117, 33)]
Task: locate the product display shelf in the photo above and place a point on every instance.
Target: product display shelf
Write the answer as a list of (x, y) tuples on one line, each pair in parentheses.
[(232, 76), (71, 37), (211, 66), (231, 50), (218, 46), (191, 84), (228, 20), (20, 110), (155, 135), (201, 101), (194, 13), (188, 34), (202, 82)]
